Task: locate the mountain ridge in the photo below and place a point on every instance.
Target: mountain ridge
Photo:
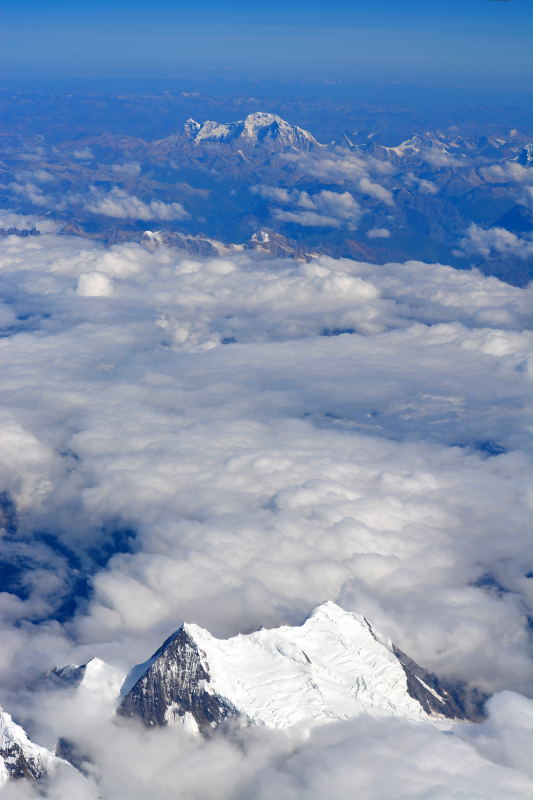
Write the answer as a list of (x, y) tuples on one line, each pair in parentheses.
[(332, 667)]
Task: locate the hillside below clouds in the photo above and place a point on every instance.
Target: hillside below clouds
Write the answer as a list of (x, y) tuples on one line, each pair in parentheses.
[(438, 196)]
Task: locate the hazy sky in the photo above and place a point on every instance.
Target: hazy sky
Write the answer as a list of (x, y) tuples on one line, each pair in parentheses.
[(478, 40)]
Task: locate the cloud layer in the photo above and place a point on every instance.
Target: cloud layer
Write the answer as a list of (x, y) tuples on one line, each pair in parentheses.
[(234, 440)]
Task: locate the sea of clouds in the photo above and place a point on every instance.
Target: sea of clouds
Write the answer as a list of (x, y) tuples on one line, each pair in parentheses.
[(231, 441)]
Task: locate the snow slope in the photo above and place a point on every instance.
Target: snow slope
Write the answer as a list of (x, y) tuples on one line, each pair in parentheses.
[(20, 757), (333, 667)]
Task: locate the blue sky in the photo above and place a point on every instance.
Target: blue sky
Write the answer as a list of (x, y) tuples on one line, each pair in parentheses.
[(478, 40)]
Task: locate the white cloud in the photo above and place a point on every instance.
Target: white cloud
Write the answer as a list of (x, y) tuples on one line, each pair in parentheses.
[(337, 165), (126, 171), (8, 219), (118, 203), (372, 758), (423, 185), (276, 193), (83, 154), (440, 158), (94, 284), (376, 760), (326, 208), (373, 189), (31, 192), (348, 169), (508, 172), (378, 233), (495, 242), (306, 218)]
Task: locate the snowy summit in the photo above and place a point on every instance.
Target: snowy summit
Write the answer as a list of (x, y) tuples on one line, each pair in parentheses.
[(333, 667), (256, 128)]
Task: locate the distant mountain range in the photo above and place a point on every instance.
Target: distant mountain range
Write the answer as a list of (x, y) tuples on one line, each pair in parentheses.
[(436, 197)]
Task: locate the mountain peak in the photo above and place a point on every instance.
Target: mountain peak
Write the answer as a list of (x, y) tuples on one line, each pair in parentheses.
[(332, 667), (257, 127), (328, 608)]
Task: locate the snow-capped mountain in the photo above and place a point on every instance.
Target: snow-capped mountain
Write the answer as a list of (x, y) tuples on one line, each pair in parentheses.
[(333, 667), (525, 157), (258, 129), (19, 756), (95, 678), (266, 240)]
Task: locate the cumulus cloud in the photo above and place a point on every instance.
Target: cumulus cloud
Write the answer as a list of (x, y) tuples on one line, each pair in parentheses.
[(508, 172), (376, 759), (9, 219), (355, 171), (373, 189), (277, 193), (83, 154), (338, 165), (511, 172), (326, 208), (366, 758), (233, 440), (378, 233), (423, 185), (119, 204), (94, 284), (29, 191), (438, 157), (495, 242), (128, 171)]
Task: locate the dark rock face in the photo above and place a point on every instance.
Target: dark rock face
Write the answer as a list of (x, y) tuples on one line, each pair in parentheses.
[(70, 675), (23, 232), (19, 765), (269, 241), (195, 245), (525, 157), (69, 751), (455, 701), (175, 682)]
